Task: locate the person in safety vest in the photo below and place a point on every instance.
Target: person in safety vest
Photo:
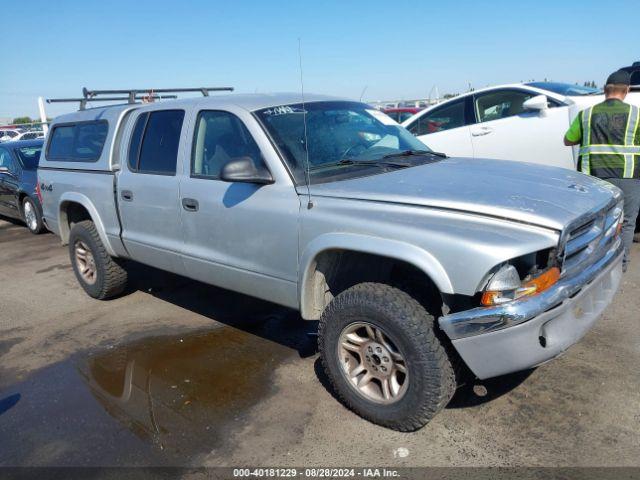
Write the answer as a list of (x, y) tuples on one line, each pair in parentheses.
[(609, 137)]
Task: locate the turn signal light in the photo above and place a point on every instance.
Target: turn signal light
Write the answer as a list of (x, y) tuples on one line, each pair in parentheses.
[(534, 286), (544, 281)]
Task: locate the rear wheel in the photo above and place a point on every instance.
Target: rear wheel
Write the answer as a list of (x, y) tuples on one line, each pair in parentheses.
[(100, 275), (31, 215), (380, 352)]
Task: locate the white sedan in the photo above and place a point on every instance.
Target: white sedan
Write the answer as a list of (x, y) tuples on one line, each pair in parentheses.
[(30, 135), (522, 122), (7, 134)]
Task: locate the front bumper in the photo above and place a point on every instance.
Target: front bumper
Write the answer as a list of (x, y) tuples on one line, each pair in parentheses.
[(535, 330)]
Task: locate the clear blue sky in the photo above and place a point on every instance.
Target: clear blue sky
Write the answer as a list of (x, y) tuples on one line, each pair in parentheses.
[(396, 48)]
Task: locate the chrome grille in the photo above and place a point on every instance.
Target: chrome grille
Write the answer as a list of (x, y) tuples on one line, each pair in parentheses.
[(588, 239)]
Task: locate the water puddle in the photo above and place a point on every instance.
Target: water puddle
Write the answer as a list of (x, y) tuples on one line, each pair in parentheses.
[(157, 400), (174, 391)]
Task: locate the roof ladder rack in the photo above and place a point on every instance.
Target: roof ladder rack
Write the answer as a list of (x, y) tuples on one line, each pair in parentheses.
[(144, 94)]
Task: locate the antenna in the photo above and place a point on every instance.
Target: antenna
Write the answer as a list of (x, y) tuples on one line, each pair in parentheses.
[(306, 143), (363, 90)]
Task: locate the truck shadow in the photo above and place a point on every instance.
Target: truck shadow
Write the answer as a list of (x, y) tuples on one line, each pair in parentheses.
[(251, 315), (475, 392), (283, 326), (472, 393)]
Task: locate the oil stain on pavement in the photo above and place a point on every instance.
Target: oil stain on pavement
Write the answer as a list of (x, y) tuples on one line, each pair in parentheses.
[(157, 400)]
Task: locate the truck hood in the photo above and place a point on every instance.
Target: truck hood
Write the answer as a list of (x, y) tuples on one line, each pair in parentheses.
[(539, 195)]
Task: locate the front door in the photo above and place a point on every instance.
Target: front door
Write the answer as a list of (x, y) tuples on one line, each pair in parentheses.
[(506, 131), (445, 129), (148, 190), (242, 236)]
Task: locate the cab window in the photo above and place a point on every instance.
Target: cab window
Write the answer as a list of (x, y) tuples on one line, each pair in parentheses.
[(220, 137), (440, 119), (155, 141)]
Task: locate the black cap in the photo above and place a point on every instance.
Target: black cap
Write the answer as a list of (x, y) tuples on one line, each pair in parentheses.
[(619, 78)]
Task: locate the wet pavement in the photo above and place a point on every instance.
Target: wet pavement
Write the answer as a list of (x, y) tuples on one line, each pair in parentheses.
[(175, 372), (158, 400)]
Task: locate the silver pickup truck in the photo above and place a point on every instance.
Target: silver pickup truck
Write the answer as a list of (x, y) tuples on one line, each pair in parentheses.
[(416, 265)]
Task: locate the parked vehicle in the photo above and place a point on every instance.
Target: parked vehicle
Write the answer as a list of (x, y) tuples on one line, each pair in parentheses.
[(8, 134), (401, 114), (30, 135), (18, 182), (521, 122), (413, 263)]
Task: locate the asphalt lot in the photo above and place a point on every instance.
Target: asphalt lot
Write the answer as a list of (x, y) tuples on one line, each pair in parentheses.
[(175, 372)]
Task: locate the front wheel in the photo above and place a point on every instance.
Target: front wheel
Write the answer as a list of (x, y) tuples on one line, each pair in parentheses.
[(99, 275), (379, 349), (32, 216)]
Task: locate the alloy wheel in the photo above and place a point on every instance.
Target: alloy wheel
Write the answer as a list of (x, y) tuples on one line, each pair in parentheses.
[(85, 262), (30, 217), (372, 364)]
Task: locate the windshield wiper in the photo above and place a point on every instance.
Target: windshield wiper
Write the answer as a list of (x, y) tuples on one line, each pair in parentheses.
[(365, 163), (409, 153)]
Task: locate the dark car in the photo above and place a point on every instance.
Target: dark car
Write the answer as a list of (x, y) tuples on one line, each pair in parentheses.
[(18, 181)]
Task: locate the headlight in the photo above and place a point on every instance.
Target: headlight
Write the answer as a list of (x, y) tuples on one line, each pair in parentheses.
[(505, 285), (619, 215), (614, 227)]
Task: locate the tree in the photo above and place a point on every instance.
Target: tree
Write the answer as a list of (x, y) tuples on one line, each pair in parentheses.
[(20, 120)]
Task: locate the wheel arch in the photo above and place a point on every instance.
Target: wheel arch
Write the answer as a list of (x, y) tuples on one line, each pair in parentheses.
[(22, 194), (76, 207), (380, 253)]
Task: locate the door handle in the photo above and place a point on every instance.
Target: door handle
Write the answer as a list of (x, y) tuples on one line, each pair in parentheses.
[(127, 195), (482, 131), (190, 204)]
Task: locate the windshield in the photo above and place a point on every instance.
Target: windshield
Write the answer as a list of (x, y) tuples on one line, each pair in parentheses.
[(344, 140), (29, 156), (566, 88)]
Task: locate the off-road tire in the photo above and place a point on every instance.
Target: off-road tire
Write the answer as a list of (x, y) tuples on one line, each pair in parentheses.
[(111, 278), (39, 226), (432, 380)]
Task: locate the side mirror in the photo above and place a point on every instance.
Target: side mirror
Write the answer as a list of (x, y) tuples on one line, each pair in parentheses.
[(539, 103), (245, 170)]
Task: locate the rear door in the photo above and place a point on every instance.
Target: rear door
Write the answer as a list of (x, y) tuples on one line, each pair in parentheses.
[(506, 131), (148, 189), (445, 129)]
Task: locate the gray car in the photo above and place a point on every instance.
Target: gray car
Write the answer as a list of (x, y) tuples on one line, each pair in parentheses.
[(415, 264)]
